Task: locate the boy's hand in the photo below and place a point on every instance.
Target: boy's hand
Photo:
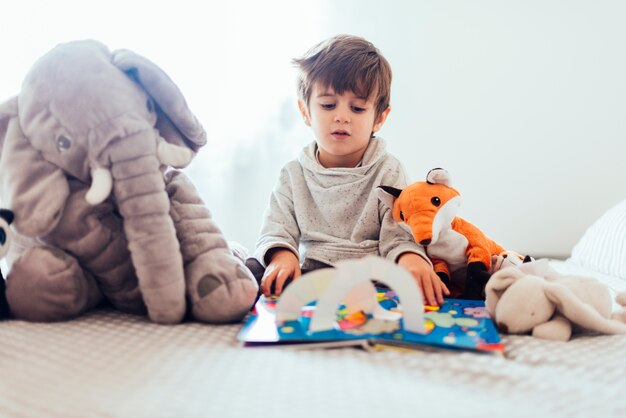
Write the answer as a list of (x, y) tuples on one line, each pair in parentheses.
[(283, 265), (433, 289)]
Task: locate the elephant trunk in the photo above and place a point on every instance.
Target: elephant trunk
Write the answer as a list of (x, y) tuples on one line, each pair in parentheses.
[(139, 189)]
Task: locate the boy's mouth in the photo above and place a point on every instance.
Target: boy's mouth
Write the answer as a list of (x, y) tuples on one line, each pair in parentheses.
[(340, 134)]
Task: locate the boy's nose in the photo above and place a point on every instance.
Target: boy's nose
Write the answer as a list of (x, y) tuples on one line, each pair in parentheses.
[(342, 117)]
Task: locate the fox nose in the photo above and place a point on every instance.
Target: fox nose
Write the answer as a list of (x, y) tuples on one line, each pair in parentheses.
[(425, 242)]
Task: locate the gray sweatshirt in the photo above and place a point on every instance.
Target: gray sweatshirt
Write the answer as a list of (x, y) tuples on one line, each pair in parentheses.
[(332, 214)]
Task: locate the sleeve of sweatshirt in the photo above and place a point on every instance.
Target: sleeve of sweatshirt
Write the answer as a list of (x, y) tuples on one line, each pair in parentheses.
[(395, 240), (280, 228)]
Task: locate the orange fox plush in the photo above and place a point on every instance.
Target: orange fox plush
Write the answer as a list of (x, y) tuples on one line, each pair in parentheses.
[(428, 209)]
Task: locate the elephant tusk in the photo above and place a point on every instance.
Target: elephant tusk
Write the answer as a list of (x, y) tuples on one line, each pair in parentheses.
[(173, 155), (101, 185)]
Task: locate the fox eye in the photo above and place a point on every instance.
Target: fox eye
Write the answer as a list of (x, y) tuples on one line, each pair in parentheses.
[(401, 215), (435, 201)]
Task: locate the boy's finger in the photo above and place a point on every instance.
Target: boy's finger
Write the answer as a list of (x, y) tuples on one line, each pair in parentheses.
[(438, 293), (266, 287), (297, 273), (281, 277), (439, 288), (428, 292), (267, 280), (446, 291)]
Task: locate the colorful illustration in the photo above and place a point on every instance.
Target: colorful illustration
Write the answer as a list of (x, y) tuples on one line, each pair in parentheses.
[(348, 287), (457, 324)]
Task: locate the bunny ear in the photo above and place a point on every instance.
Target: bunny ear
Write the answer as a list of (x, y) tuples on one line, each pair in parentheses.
[(579, 312), (175, 121), (498, 283), (33, 188)]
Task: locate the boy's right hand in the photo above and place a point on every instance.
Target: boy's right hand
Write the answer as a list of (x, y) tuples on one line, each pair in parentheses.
[(283, 265), (432, 287)]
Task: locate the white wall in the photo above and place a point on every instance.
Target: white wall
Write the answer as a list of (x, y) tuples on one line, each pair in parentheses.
[(524, 102)]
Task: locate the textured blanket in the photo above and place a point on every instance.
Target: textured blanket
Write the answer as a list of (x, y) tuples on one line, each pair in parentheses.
[(109, 364)]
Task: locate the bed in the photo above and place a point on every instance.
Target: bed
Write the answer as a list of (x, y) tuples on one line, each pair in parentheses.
[(108, 364)]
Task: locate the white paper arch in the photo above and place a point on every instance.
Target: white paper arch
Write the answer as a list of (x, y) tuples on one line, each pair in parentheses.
[(349, 283)]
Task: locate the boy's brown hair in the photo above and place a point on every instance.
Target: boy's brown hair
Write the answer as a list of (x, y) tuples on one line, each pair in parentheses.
[(346, 63)]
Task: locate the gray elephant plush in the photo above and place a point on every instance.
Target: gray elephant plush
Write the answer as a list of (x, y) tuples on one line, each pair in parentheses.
[(88, 151)]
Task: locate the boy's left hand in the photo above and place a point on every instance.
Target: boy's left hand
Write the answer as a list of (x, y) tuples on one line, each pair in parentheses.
[(433, 289)]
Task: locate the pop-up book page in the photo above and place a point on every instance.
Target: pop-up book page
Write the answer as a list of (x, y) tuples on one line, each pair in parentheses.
[(350, 285), (341, 306)]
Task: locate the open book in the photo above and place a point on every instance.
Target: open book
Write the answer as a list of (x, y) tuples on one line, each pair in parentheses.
[(456, 324)]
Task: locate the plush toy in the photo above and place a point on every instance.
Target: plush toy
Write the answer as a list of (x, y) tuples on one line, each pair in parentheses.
[(456, 247), (508, 259), (6, 217), (86, 154), (533, 298)]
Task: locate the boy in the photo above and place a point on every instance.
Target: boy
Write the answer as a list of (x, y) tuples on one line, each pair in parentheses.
[(324, 200)]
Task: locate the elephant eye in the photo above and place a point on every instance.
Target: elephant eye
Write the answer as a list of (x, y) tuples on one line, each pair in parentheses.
[(63, 143), (3, 236)]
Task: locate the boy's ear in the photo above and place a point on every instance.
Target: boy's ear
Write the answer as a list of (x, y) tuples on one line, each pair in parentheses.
[(381, 120), (304, 112)]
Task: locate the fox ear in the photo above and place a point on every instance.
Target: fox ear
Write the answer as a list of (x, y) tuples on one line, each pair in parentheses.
[(7, 215), (387, 195), (439, 176)]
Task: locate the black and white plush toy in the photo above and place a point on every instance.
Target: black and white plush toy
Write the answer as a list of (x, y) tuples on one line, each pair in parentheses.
[(6, 217)]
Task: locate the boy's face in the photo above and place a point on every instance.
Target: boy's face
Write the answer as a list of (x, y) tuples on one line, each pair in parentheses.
[(342, 124)]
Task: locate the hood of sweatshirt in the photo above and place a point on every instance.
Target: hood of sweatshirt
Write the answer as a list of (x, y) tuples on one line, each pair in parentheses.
[(371, 159)]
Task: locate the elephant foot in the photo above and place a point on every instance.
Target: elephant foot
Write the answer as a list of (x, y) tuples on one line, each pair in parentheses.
[(46, 284), (219, 287)]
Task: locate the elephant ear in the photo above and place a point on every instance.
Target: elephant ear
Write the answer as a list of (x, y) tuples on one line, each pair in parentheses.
[(175, 121), (33, 188), (8, 110)]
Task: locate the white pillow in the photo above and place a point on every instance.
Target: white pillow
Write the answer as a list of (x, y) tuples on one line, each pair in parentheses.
[(603, 246)]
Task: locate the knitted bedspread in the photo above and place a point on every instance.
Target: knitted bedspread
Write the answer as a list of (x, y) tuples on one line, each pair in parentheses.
[(108, 364)]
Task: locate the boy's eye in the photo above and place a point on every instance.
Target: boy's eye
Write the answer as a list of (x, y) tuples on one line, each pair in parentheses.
[(358, 109), (328, 106)]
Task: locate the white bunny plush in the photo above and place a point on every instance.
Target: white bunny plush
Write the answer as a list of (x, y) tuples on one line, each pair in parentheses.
[(533, 298)]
